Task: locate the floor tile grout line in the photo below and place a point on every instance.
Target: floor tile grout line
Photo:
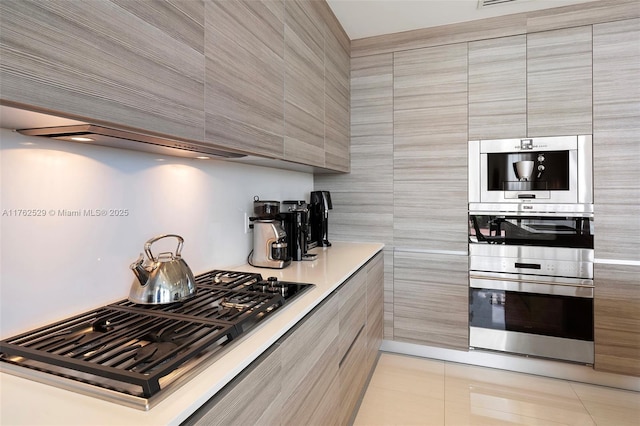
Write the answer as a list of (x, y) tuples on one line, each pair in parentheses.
[(582, 402)]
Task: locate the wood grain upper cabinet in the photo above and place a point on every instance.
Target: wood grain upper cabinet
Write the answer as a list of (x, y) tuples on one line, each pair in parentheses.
[(430, 148), (245, 75), (304, 88), (616, 146), (134, 64), (498, 88), (336, 94), (617, 319), (559, 82), (539, 84)]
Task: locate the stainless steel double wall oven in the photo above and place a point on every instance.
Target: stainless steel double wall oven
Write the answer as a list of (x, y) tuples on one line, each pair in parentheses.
[(531, 236)]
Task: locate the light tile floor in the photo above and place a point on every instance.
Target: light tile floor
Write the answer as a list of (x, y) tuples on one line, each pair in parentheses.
[(406, 390)]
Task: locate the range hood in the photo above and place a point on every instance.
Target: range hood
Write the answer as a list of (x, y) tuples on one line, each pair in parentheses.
[(105, 136), (38, 124), (43, 124)]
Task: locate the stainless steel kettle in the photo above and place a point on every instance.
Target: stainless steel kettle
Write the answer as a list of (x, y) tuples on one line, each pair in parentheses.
[(166, 279)]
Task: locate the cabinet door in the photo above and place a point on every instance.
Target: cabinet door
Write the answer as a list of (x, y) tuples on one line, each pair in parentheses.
[(370, 182), (353, 377), (375, 294), (135, 64), (304, 88), (617, 319), (249, 399), (430, 148), (498, 88), (616, 147), (352, 344), (310, 368), (431, 299), (245, 75), (336, 102), (559, 83), (352, 299)]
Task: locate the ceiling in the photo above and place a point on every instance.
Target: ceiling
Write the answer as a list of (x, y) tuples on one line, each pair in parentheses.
[(366, 18)]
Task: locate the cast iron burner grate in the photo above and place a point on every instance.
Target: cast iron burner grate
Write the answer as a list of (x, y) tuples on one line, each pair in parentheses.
[(129, 347)]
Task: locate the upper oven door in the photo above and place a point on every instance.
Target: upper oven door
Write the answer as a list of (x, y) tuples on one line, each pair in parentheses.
[(531, 230), (550, 170)]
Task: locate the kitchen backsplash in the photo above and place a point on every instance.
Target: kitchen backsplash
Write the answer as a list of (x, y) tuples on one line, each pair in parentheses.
[(74, 218)]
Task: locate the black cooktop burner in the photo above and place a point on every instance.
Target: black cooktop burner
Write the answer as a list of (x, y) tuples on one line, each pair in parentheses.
[(129, 347)]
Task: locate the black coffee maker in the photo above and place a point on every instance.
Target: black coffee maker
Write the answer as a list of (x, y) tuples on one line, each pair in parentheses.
[(295, 218), (319, 206)]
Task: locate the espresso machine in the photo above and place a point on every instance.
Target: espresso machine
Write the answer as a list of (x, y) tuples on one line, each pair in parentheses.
[(295, 219), (269, 238), (320, 204)]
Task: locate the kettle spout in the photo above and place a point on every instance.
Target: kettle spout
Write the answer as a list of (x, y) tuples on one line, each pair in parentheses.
[(140, 272)]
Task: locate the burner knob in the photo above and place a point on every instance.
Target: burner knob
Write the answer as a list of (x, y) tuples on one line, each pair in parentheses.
[(272, 280)]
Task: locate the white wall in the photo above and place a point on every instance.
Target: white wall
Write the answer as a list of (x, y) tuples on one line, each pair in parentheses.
[(54, 266)]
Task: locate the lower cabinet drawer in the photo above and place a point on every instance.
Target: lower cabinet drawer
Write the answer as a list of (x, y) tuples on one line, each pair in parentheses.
[(313, 375), (251, 398), (310, 368), (353, 376)]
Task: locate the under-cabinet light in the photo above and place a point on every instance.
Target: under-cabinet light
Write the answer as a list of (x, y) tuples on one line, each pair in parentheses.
[(81, 139)]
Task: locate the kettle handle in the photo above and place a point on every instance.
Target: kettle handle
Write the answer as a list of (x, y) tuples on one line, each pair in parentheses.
[(147, 245)]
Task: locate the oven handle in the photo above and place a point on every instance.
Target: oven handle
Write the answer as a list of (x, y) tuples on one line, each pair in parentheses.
[(532, 286), (528, 265)]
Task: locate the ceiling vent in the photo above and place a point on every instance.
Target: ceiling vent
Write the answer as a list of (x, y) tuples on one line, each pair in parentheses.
[(487, 3)]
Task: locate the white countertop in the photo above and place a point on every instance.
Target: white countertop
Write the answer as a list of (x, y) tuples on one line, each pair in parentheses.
[(25, 402)]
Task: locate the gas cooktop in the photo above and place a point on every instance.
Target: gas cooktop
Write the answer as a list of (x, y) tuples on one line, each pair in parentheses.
[(134, 354)]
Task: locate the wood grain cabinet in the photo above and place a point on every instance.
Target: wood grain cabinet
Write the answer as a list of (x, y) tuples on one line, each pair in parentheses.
[(363, 199), (277, 75), (251, 398), (370, 181), (559, 82), (375, 314), (361, 328), (538, 84), (430, 148), (132, 64), (352, 344), (431, 299), (498, 88), (352, 378), (336, 96), (304, 90), (202, 70), (616, 125), (315, 374), (617, 319), (616, 146), (244, 48), (310, 369)]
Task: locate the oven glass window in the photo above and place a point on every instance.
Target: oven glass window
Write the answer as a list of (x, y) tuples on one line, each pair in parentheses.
[(528, 171), (572, 232), (548, 315)]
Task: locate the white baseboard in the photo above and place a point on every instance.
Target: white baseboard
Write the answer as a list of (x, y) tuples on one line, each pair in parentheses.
[(521, 364)]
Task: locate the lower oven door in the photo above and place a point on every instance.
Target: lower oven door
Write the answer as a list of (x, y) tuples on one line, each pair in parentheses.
[(530, 317)]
